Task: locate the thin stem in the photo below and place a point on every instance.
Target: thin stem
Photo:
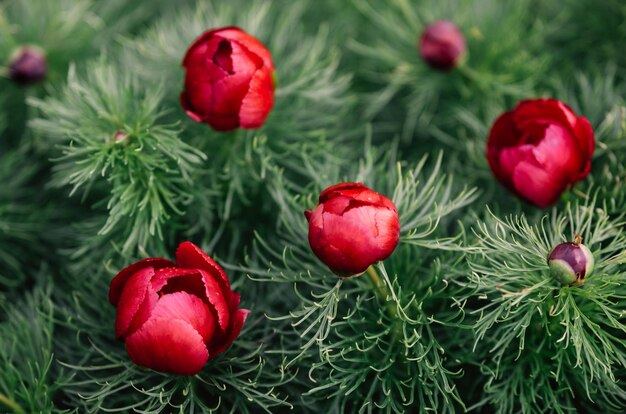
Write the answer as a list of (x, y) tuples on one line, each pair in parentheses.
[(381, 292), (15, 407), (379, 286)]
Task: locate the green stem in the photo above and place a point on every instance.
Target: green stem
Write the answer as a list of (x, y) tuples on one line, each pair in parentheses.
[(382, 293), (15, 407)]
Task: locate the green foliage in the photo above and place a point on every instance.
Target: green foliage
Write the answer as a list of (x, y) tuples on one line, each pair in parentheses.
[(567, 340), (27, 384), (107, 127), (586, 34), (100, 166), (22, 220)]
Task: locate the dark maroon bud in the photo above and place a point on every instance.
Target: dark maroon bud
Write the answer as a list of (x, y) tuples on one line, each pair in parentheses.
[(28, 65), (570, 263), (442, 45)]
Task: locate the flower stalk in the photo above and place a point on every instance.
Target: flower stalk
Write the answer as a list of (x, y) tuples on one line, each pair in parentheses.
[(12, 405), (382, 294)]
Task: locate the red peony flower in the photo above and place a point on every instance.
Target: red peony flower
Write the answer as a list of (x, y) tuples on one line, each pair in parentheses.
[(539, 149), (442, 45), (352, 228), (229, 80), (175, 316)]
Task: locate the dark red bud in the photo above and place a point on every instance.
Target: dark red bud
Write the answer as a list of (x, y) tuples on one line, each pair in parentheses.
[(442, 45), (28, 66), (570, 263)]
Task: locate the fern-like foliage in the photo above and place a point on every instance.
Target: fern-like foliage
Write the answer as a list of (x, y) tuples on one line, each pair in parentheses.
[(544, 347), (23, 220), (110, 139), (29, 379)]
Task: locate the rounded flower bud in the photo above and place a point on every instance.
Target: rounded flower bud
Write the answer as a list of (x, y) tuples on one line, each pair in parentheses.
[(229, 80), (539, 149), (176, 316), (442, 45), (570, 262), (28, 65), (352, 228)]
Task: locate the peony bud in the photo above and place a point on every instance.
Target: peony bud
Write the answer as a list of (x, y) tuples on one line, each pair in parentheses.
[(28, 65), (229, 80), (352, 228), (570, 262), (539, 149), (442, 45), (176, 316)]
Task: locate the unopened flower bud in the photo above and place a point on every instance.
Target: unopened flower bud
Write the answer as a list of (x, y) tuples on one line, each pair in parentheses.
[(442, 45), (229, 80), (352, 228), (28, 65), (570, 263)]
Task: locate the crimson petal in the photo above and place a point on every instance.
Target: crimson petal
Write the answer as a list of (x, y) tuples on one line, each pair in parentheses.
[(197, 282), (189, 308), (541, 110), (234, 330), (259, 100), (168, 345), (190, 256), (249, 42), (118, 282), (131, 299)]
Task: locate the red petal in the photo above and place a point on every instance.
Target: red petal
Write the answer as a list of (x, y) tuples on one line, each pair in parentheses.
[(168, 345), (348, 244), (190, 256), (144, 312), (503, 133), (308, 214), (188, 110), (336, 205), (249, 42), (244, 61), (234, 330), (118, 282), (357, 192), (558, 152), (510, 157), (259, 100), (222, 56), (198, 47), (197, 282), (339, 188), (189, 308), (586, 140), (536, 185), (544, 110), (130, 300)]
